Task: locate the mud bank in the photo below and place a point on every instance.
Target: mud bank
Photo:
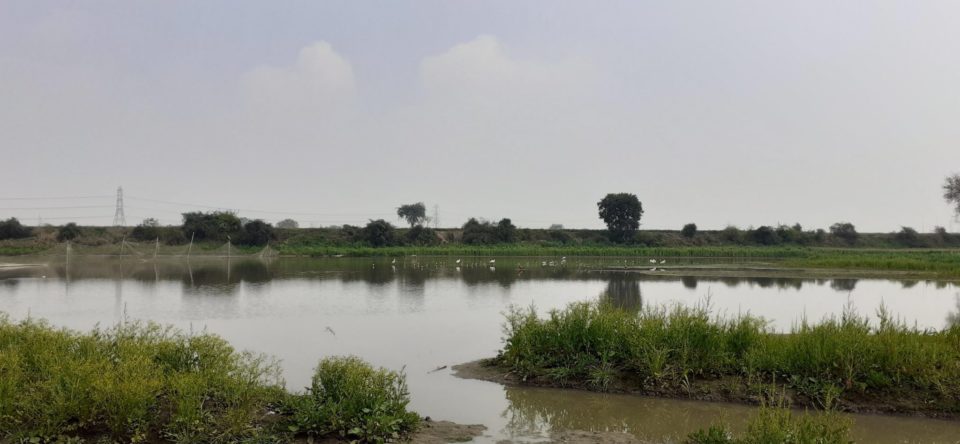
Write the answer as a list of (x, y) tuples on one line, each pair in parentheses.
[(727, 389)]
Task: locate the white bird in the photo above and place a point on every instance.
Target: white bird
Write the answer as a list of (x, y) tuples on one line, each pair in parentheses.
[(543, 264), (653, 269), (393, 262), (493, 261), (653, 261), (663, 262), (458, 261)]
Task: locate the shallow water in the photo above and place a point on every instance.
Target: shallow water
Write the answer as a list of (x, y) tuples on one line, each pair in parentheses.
[(423, 313)]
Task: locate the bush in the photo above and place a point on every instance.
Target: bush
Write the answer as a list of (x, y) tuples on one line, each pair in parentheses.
[(12, 229), (420, 235), (764, 235), (844, 231), (781, 426), (215, 226), (256, 233), (378, 233), (130, 382), (349, 398), (485, 233), (67, 232), (288, 224), (146, 383), (731, 234), (689, 231), (908, 237)]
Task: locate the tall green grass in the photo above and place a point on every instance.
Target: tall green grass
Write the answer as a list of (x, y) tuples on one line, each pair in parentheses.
[(839, 359), (146, 383)]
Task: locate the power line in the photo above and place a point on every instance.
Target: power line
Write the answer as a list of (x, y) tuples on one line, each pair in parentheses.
[(76, 207), (56, 198)]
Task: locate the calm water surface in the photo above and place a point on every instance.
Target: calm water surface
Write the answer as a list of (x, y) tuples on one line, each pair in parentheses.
[(423, 313)]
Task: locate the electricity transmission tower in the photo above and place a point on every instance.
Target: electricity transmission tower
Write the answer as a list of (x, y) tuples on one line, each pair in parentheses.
[(118, 218)]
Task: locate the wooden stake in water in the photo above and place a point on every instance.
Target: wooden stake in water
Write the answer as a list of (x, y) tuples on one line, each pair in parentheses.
[(190, 247), (156, 249)]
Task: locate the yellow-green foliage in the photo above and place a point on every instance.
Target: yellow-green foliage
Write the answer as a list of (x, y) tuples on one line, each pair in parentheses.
[(142, 382), (589, 343), (781, 426), (351, 399), (132, 381)]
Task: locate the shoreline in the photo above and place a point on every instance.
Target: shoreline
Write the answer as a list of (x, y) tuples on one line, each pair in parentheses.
[(732, 390)]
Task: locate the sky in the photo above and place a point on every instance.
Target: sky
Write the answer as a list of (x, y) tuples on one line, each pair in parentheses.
[(739, 112)]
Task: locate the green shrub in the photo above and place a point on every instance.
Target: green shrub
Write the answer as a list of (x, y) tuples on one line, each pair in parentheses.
[(378, 233), (12, 229), (780, 426), (351, 399), (146, 383), (689, 231), (67, 232)]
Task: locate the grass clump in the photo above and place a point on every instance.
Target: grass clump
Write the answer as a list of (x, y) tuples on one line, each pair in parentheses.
[(350, 399), (780, 425), (138, 382), (688, 351)]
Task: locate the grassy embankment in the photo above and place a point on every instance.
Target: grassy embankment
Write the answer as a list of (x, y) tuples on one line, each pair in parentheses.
[(144, 383), (686, 352)]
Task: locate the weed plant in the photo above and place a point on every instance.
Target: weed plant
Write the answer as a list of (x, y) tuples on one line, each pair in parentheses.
[(847, 358)]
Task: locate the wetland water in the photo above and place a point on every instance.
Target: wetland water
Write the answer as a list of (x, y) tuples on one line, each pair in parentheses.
[(423, 313)]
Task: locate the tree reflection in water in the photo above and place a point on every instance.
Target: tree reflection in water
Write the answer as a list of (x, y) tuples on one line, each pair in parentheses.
[(623, 291)]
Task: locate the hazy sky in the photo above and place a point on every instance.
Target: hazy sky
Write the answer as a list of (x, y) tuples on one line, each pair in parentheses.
[(746, 113)]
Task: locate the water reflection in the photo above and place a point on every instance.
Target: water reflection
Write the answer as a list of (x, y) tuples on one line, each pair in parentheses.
[(623, 291), (533, 412), (953, 318), (412, 274)]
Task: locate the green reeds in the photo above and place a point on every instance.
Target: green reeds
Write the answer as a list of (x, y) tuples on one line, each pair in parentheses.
[(677, 348)]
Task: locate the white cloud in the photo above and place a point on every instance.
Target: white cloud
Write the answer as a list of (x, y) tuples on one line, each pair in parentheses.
[(481, 73), (319, 81)]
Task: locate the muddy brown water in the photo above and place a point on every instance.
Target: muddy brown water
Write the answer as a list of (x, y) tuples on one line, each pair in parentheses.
[(420, 314)]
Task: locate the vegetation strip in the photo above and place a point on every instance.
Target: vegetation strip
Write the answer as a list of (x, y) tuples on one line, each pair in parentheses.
[(844, 363), (146, 383)]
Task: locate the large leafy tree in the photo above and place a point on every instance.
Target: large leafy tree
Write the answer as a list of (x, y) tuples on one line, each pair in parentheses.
[(13, 229), (414, 214), (951, 192), (378, 233), (621, 212)]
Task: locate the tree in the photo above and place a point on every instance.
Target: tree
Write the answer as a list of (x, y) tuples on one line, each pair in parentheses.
[(12, 229), (485, 233), (621, 212), (216, 226), (689, 231), (67, 232), (288, 224), (420, 235), (256, 233), (506, 231), (909, 237), (556, 227), (844, 231), (149, 229), (378, 233), (764, 235), (951, 192), (414, 214)]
